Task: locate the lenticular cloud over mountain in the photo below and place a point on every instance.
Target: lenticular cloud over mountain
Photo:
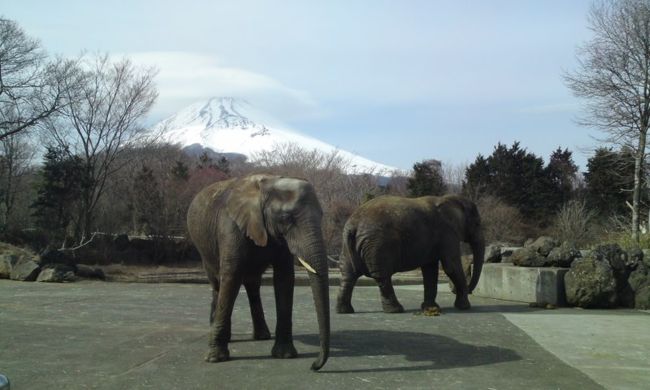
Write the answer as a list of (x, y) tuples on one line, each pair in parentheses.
[(230, 125)]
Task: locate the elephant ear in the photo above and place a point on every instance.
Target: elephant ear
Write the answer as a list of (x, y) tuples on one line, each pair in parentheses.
[(244, 206)]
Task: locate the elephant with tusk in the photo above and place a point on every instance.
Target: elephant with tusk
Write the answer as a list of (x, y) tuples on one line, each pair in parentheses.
[(241, 227)]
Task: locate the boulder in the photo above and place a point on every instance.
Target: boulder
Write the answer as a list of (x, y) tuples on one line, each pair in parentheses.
[(493, 254), (634, 258), (590, 283), (544, 245), (639, 278), (563, 255), (5, 268), (57, 274), (642, 298), (506, 254), (54, 256), (528, 257), (88, 272), (613, 254), (25, 270)]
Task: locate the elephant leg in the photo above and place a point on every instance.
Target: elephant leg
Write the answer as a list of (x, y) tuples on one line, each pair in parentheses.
[(389, 302), (260, 329), (283, 282), (450, 255), (221, 331), (430, 281), (348, 279), (214, 282)]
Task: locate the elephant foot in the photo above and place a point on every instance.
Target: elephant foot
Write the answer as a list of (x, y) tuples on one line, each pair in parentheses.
[(284, 351), (392, 308), (462, 303), (262, 334), (430, 309), (344, 309), (216, 355)]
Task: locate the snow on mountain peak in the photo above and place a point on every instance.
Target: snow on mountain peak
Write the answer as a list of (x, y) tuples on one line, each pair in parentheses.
[(231, 125)]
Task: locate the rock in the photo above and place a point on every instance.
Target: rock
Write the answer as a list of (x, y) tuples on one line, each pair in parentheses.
[(528, 242), (528, 257), (57, 274), (493, 254), (544, 245), (642, 298), (88, 272), (563, 255), (590, 283), (25, 270), (639, 278), (506, 254), (54, 256), (5, 268), (613, 254), (617, 258), (634, 258)]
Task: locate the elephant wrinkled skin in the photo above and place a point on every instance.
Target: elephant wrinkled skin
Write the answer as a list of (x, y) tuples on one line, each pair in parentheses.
[(392, 234), (242, 226)]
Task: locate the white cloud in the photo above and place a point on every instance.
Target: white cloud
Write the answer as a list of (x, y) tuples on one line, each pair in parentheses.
[(185, 78)]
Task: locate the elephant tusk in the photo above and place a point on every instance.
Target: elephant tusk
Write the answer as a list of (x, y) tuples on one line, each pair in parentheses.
[(306, 265)]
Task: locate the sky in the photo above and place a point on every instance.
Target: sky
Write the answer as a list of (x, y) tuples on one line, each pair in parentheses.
[(394, 81)]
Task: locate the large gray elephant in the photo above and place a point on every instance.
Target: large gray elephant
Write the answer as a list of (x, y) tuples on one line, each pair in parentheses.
[(392, 234), (242, 226)]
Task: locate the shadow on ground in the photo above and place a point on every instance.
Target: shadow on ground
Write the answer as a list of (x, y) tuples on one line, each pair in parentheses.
[(437, 352)]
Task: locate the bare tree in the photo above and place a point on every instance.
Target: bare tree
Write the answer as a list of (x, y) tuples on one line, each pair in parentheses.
[(31, 87), (613, 76), (16, 156), (100, 120)]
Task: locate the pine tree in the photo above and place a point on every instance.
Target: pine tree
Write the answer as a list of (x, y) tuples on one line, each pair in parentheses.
[(63, 179), (514, 175), (610, 179), (561, 171), (426, 180)]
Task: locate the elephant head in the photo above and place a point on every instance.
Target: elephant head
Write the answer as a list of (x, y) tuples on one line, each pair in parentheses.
[(463, 215), (286, 210)]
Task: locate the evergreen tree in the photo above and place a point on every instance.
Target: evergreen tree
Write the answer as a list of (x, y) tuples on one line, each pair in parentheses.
[(609, 179), (561, 171), (63, 179), (514, 175), (426, 180)]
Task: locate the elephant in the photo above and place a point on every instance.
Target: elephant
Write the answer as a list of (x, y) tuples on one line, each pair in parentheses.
[(241, 227), (392, 234)]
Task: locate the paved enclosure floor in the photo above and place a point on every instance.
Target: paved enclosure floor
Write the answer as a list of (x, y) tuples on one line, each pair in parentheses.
[(96, 335)]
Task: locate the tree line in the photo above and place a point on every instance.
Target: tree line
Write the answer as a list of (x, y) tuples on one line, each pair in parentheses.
[(99, 172)]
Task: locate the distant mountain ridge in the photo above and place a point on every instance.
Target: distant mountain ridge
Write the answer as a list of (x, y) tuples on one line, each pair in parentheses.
[(233, 126)]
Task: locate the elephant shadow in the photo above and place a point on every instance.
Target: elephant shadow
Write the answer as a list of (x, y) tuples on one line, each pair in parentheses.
[(438, 352)]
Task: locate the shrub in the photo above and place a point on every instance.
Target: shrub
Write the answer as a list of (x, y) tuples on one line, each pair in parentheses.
[(501, 222), (574, 223)]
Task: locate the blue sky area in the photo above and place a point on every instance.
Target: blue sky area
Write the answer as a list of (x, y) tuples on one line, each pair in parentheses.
[(394, 81)]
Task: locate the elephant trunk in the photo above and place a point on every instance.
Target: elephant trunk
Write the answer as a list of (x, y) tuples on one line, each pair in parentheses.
[(313, 257), (478, 254)]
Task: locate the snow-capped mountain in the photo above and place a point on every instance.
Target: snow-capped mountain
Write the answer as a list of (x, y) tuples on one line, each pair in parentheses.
[(229, 125)]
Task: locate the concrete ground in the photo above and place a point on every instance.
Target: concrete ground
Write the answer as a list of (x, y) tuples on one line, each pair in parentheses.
[(98, 335)]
